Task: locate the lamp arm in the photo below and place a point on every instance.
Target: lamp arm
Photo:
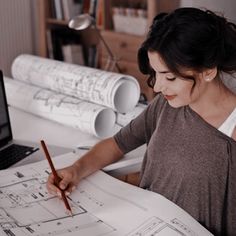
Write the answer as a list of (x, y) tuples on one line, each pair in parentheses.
[(104, 42), (111, 56)]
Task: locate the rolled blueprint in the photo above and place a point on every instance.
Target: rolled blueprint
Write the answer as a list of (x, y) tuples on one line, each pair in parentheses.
[(117, 91), (85, 116)]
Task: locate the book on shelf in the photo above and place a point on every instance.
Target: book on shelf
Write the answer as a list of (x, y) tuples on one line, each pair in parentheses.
[(49, 44), (86, 6), (57, 38), (54, 48), (100, 14), (66, 45), (73, 53), (108, 21), (66, 9), (71, 8), (118, 15), (103, 14), (58, 9), (92, 8)]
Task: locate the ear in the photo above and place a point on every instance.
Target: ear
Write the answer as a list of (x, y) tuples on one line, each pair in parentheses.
[(209, 74)]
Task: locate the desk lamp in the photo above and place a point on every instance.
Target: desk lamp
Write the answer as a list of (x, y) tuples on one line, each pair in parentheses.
[(82, 22)]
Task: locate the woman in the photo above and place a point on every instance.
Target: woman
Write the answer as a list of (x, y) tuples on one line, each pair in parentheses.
[(189, 127)]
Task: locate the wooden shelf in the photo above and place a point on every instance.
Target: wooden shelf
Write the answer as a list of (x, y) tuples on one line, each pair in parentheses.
[(56, 22), (124, 46)]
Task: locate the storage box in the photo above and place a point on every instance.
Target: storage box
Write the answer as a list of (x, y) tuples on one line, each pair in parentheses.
[(136, 25)]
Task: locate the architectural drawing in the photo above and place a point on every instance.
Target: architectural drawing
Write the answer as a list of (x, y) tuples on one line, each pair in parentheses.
[(43, 214), (117, 91), (88, 117), (156, 226), (101, 206)]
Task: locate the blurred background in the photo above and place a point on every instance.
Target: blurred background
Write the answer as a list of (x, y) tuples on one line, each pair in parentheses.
[(40, 27)]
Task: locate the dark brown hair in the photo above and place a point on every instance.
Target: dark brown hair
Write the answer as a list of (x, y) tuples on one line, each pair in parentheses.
[(190, 38)]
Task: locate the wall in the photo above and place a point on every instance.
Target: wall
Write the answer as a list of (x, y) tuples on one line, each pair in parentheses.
[(16, 31), (227, 7)]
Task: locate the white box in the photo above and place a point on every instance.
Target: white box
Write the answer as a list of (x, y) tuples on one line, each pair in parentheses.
[(130, 24)]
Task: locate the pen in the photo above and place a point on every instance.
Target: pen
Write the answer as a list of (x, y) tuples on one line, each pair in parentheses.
[(84, 147), (57, 178)]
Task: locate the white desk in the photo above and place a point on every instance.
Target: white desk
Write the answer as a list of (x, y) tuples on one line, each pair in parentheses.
[(32, 128)]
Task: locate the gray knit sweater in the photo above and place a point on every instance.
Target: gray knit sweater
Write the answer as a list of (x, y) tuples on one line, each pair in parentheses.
[(188, 161)]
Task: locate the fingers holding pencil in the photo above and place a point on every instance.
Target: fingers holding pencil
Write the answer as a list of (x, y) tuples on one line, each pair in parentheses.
[(57, 179), (68, 181)]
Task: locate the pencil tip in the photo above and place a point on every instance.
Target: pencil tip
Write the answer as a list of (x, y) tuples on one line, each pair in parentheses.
[(69, 212)]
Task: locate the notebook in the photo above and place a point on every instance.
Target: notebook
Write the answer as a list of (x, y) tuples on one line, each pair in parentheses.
[(16, 152)]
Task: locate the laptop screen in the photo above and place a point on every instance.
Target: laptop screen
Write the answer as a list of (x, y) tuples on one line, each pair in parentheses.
[(5, 127)]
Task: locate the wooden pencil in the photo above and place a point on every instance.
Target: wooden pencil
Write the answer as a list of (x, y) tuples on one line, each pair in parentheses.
[(56, 177)]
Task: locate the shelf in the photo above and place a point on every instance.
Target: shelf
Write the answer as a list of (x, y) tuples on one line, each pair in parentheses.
[(123, 45), (56, 22)]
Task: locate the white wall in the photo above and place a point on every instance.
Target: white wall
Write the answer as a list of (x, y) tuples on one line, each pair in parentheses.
[(227, 7), (17, 31)]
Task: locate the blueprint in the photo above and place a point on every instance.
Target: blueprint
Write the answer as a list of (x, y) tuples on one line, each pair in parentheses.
[(88, 117), (101, 206), (117, 91)]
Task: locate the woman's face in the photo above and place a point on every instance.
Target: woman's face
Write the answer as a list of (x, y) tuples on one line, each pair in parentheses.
[(176, 90)]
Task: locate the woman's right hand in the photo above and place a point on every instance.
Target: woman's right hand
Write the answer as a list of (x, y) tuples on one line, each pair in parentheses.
[(69, 180), (102, 154)]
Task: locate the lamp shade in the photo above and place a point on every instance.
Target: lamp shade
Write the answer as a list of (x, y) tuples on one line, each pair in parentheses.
[(81, 22)]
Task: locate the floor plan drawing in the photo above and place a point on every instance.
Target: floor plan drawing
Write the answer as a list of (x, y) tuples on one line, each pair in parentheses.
[(156, 226), (44, 214), (101, 206)]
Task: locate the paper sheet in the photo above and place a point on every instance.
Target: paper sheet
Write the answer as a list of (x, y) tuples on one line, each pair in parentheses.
[(117, 91), (85, 116), (101, 206)]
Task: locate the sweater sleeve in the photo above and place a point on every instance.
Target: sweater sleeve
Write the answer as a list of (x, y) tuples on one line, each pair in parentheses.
[(140, 129)]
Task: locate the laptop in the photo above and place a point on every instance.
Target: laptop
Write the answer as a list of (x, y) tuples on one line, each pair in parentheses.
[(16, 153)]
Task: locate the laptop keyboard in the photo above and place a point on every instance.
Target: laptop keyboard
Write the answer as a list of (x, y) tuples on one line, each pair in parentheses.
[(13, 154)]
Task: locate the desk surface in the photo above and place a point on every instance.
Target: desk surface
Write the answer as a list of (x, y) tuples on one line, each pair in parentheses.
[(29, 127)]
